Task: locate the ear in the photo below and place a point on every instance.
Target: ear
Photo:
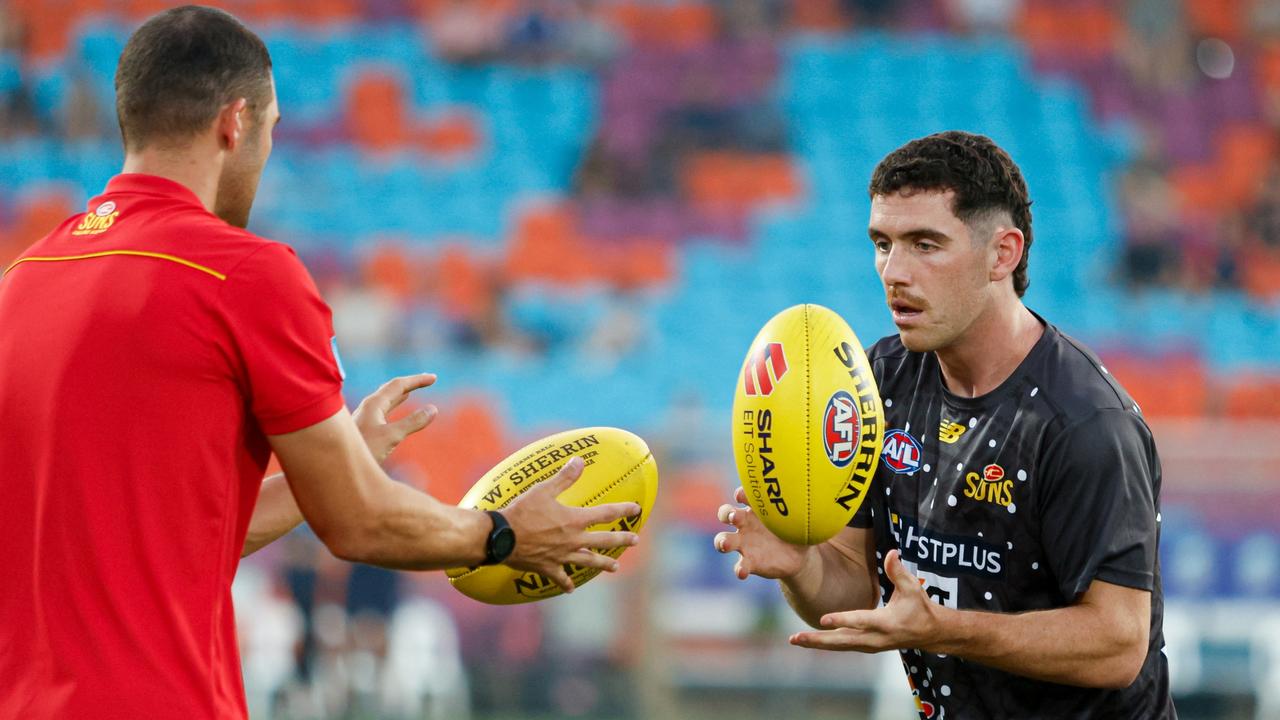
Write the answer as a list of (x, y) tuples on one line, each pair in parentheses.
[(231, 124), (1007, 247)]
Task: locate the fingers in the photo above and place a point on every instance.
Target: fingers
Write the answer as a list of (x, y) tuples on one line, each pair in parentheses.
[(394, 391), (413, 422), (856, 619), (610, 540), (567, 475), (898, 573), (740, 496), (588, 559), (741, 568), (597, 514), (558, 576), (727, 542), (732, 514), (842, 639)]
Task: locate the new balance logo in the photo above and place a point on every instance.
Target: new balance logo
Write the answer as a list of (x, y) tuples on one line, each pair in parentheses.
[(769, 361)]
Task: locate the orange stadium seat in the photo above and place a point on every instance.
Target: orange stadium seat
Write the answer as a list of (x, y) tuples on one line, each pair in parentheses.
[(463, 285), (1217, 18), (389, 268), (1260, 273), (1253, 396), (679, 24), (1200, 189), (547, 247), (1268, 70), (1175, 386), (376, 111), (818, 16), (641, 262), (465, 440), (37, 215), (325, 11), (1245, 156), (739, 179), (1092, 30), (449, 134)]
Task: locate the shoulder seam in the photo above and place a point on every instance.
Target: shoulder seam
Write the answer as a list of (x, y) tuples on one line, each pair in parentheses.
[(1106, 377)]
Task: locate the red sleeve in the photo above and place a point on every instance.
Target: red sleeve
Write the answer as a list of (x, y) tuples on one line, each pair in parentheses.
[(283, 336)]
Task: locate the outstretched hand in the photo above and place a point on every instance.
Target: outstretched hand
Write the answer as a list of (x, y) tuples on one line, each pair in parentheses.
[(371, 416), (909, 620), (761, 552)]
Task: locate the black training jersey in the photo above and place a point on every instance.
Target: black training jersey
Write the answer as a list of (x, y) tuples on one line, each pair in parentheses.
[(1016, 501)]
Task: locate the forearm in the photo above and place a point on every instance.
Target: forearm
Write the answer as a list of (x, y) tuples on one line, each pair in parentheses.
[(410, 530), (275, 514), (1073, 645), (833, 579)]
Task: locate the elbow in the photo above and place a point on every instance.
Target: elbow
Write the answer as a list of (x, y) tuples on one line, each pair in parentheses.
[(1129, 654), (1125, 670), (347, 542)]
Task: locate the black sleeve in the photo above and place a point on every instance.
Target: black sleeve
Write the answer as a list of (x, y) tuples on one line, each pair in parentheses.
[(1097, 503), (862, 517)]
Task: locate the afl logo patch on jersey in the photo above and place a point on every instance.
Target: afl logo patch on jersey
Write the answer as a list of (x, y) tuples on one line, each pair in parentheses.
[(840, 427), (901, 452)]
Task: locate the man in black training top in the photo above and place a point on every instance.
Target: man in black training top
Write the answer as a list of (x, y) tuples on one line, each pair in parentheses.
[(1013, 523)]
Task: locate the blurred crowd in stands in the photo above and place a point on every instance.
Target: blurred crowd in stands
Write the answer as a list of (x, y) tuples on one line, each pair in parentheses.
[(686, 142)]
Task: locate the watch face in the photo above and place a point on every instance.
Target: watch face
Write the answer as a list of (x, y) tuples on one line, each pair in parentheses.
[(504, 541)]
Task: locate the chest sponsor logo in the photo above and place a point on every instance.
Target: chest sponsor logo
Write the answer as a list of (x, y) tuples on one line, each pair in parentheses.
[(943, 553), (949, 432), (901, 452), (942, 590), (840, 426), (992, 486), (768, 367), (98, 221)]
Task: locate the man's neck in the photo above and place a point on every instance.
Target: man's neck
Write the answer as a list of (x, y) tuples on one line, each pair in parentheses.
[(189, 169), (992, 349)]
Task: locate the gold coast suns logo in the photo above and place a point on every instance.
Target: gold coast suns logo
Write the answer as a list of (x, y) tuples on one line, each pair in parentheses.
[(992, 486), (949, 432), (98, 221)]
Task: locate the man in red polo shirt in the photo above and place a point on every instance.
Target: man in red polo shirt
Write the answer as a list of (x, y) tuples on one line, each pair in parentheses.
[(153, 355)]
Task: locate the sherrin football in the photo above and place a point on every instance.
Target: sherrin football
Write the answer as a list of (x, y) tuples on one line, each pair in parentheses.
[(618, 467), (807, 424)]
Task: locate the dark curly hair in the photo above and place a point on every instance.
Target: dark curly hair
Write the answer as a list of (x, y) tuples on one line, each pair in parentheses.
[(983, 177)]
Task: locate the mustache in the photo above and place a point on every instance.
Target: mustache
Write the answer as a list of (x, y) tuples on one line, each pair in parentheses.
[(898, 296)]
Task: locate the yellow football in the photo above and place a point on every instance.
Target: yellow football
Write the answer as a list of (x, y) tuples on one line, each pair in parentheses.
[(618, 468), (807, 424)]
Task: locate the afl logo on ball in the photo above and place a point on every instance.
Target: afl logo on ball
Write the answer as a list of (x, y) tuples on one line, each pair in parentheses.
[(901, 452), (840, 425)]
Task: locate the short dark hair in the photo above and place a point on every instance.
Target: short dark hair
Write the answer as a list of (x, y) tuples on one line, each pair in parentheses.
[(983, 177), (181, 67)]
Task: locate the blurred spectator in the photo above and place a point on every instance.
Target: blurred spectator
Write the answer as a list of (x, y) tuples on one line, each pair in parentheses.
[(1264, 216), (18, 113), (982, 16), (81, 117), (1153, 233), (466, 32)]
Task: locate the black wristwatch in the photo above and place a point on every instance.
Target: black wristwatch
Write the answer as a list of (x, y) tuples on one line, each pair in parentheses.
[(501, 540)]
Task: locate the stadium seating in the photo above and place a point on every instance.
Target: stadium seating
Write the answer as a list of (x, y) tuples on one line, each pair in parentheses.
[(457, 195)]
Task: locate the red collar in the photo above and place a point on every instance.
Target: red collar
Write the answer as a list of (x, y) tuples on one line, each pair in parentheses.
[(152, 185)]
